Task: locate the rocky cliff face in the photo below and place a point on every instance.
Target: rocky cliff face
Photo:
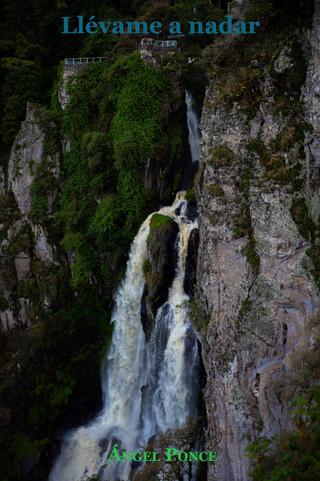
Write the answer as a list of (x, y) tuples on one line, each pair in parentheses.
[(258, 205), (24, 240), (311, 101)]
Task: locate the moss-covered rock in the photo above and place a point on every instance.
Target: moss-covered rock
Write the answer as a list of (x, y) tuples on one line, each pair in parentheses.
[(159, 268)]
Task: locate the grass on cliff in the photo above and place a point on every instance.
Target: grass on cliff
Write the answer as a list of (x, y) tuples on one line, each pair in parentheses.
[(158, 220)]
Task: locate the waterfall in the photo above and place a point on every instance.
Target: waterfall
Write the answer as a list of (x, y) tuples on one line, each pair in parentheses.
[(193, 127), (83, 450), (148, 388)]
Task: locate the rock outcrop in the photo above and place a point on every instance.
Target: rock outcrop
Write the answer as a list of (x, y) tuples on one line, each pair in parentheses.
[(311, 100), (159, 268), (68, 75), (24, 240), (255, 265)]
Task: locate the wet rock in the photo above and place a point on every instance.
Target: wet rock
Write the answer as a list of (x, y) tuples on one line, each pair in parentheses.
[(159, 268), (191, 263)]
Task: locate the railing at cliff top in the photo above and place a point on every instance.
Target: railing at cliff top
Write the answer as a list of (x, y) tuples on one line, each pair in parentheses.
[(81, 60)]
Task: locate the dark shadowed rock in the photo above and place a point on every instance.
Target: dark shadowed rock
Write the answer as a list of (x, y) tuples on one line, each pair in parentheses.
[(191, 264)]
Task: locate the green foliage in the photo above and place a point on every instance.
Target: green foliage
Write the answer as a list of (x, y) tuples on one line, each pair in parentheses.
[(309, 231), (22, 241), (71, 341), (314, 254), (252, 257), (260, 10), (136, 129), (21, 84), (20, 449), (43, 184), (301, 216), (246, 306), (220, 156), (93, 146), (191, 195), (295, 455), (215, 190), (242, 86), (107, 215), (137, 123), (200, 318), (53, 395), (257, 146), (114, 121)]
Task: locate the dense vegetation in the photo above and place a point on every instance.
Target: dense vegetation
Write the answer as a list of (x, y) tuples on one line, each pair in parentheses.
[(114, 123), (293, 455)]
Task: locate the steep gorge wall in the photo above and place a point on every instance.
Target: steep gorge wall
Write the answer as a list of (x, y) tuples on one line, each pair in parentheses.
[(24, 239), (259, 208)]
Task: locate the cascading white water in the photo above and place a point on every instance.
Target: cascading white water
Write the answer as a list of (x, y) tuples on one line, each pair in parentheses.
[(81, 453), (148, 387), (193, 127), (172, 351)]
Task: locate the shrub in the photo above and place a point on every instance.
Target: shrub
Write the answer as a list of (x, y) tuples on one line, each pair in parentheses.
[(191, 195), (199, 317), (215, 190), (252, 256), (257, 146), (220, 156), (242, 86), (301, 216), (107, 215), (41, 188), (260, 9)]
